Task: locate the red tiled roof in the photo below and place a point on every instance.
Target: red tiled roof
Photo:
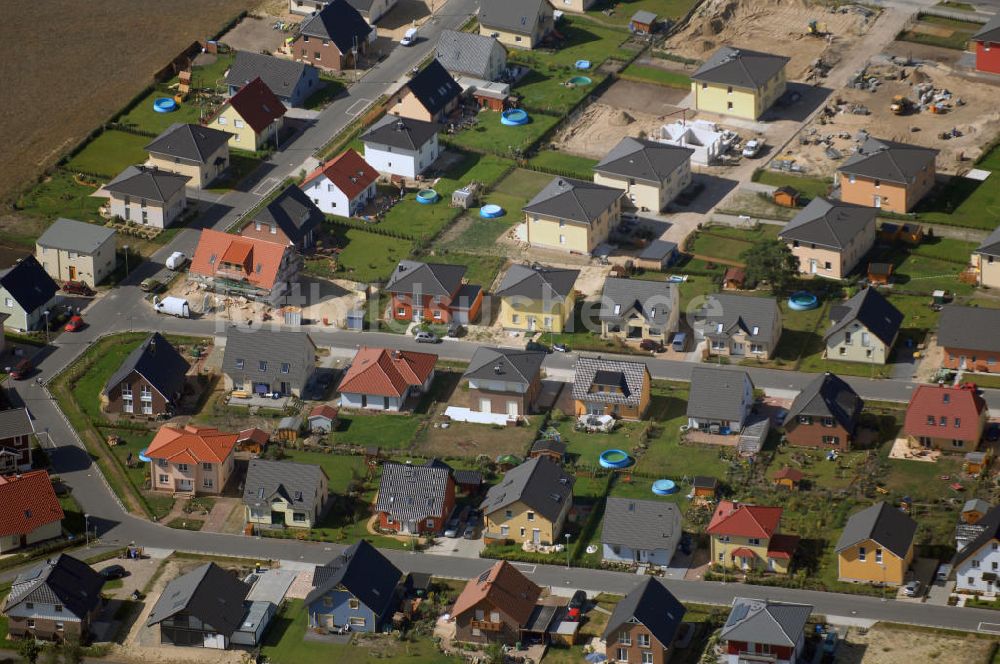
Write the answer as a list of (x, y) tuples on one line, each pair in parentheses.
[(29, 502), (349, 172), (257, 105), (744, 520), (947, 406), (386, 372), (782, 546), (253, 435), (324, 410), (192, 444), (743, 552), (260, 259), (792, 474), (504, 588)]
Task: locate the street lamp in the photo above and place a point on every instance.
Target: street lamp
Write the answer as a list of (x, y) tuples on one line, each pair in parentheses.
[(567, 550), (125, 249), (86, 528), (46, 314)]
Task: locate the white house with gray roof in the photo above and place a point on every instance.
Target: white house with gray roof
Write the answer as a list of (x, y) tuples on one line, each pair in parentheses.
[(829, 237), (640, 531), (284, 494), (738, 325), (147, 196), (516, 23), (637, 309), (863, 329), (401, 146), (720, 400), (77, 251), (468, 54), (651, 174), (762, 628), (572, 215), (291, 82)]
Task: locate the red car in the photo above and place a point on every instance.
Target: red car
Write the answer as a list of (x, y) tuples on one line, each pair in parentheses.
[(75, 324), (77, 288), (22, 370)]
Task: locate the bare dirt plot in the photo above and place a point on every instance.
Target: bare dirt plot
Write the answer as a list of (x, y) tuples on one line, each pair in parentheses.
[(470, 440), (884, 645), (641, 97), (256, 35), (600, 127)]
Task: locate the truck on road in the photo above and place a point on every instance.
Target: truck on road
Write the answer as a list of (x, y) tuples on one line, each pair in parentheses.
[(172, 306)]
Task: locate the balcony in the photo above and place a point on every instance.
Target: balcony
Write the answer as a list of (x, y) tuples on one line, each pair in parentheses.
[(757, 658), (486, 625)]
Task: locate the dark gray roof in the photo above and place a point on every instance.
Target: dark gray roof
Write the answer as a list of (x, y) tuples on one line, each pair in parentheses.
[(641, 524), (79, 236), (738, 312), (989, 32), (575, 200), (340, 23), (400, 132), (293, 212), (765, 621), (976, 505), (435, 279), (275, 347), (363, 6), (156, 360), (510, 365), (189, 142), (537, 281), (643, 16), (991, 245), (740, 67), (413, 493), (364, 572), (883, 524), (467, 477), (629, 376), (434, 87), (518, 16), (209, 593), (986, 530), (279, 74), (828, 396), (827, 223), (299, 484), (539, 483), (717, 393), (888, 160), (549, 445), (149, 183), (658, 250), (468, 53), (872, 310), (652, 300), (971, 328), (643, 159), (28, 283), (15, 422), (653, 606), (64, 580)]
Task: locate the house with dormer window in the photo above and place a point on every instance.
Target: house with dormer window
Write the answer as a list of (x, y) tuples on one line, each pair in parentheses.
[(291, 219), (414, 499), (431, 95), (745, 537), (636, 309), (284, 494), (496, 606), (242, 266), (433, 293), (864, 328), (761, 630), (358, 591), (611, 387)]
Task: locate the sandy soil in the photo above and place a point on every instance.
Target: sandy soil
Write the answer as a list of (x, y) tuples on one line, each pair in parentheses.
[(600, 127), (882, 645)]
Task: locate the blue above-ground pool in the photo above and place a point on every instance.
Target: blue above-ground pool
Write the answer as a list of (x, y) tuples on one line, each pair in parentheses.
[(583, 64), (580, 80), (142, 455), (427, 196), (164, 105), (802, 301), (491, 211), (514, 117), (614, 459), (664, 487)]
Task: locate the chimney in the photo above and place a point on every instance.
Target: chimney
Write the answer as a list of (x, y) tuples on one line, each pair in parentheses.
[(400, 126)]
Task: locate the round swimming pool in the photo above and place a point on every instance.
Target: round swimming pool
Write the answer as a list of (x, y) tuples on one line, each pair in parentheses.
[(583, 64), (491, 211), (142, 455), (615, 459), (580, 80), (427, 196), (514, 117), (164, 105), (802, 301), (664, 487)]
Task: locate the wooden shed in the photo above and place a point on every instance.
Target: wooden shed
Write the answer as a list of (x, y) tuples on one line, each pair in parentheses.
[(703, 486), (659, 255), (642, 22), (288, 429), (734, 278), (976, 463), (880, 273), (788, 478), (786, 197), (252, 440)]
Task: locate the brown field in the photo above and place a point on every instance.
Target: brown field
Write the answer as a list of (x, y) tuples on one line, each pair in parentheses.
[(92, 60), (887, 645)]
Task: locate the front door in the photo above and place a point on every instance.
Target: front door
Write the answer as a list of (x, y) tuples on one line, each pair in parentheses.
[(512, 410), (72, 273), (812, 266), (286, 389), (184, 485), (485, 406), (877, 202), (536, 536), (418, 314), (737, 349)]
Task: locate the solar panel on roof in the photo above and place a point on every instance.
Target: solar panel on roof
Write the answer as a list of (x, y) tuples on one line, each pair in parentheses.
[(485, 575)]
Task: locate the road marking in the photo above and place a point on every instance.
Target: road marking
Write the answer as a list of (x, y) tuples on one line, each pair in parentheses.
[(993, 628), (361, 104), (264, 185), (525, 568)]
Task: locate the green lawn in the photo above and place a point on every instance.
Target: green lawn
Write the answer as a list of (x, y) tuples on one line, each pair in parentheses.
[(87, 390), (551, 92), (144, 118), (958, 6), (367, 257), (341, 469), (61, 196), (565, 163), (727, 244), (384, 430), (211, 76), (657, 75), (110, 153), (490, 136), (807, 186), (585, 40), (965, 202), (954, 35), (332, 88), (623, 11), (134, 441), (241, 164), (929, 266), (482, 270)]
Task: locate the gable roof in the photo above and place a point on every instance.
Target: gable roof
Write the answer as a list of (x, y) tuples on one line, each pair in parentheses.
[(257, 105), (883, 524), (502, 587), (63, 580), (78, 236), (518, 16), (888, 160), (468, 53), (293, 212), (717, 393), (935, 410), (740, 67), (324, 411), (872, 310), (400, 132), (828, 396), (987, 529), (280, 75), (629, 377), (572, 199), (275, 347), (510, 365), (348, 171), (537, 282), (192, 444), (654, 607), (742, 520), (434, 87), (976, 505), (644, 160), (209, 593), (149, 183), (969, 328), (739, 313), (29, 502), (15, 422), (830, 224), (188, 142), (413, 493), (989, 32), (417, 278), (299, 484), (386, 372), (539, 483), (156, 360), (340, 23), (28, 283), (259, 260), (652, 301), (364, 572), (766, 621), (641, 524)]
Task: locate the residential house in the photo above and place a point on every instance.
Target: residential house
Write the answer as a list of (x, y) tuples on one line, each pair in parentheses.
[(947, 418), (968, 337), (306, 7), (433, 293), (720, 400), (191, 460), (149, 382), (985, 260), (824, 414), (650, 173), (658, 255), (739, 326), (322, 418), (199, 153), (291, 219), (383, 379), (230, 264), (414, 499), (739, 82), (27, 293), (16, 433), (876, 546), (253, 116), (644, 625), (334, 39), (863, 329), (343, 186), (637, 309), (745, 537), (762, 630), (887, 175), (537, 298), (401, 146), (610, 387), (829, 237), (77, 251), (291, 82), (529, 504), (284, 494), (469, 54), (504, 381), (430, 96), (373, 10), (357, 591), (516, 23), (572, 215), (495, 606), (977, 562), (147, 196), (265, 361), (56, 600), (646, 532), (987, 49), (32, 513)]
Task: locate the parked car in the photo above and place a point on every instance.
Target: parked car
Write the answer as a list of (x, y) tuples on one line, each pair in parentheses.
[(75, 324), (150, 285), (423, 337), (651, 345), (470, 532), (22, 369), (453, 528), (752, 148), (410, 38), (993, 432), (912, 589), (679, 342), (455, 330), (176, 260), (534, 345), (577, 605), (77, 288), (560, 348), (112, 572), (943, 572)]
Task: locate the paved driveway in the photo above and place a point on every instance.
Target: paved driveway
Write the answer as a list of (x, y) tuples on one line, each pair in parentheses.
[(458, 547)]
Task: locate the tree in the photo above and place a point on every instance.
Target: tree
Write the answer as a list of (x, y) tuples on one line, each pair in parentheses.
[(29, 650), (771, 261)]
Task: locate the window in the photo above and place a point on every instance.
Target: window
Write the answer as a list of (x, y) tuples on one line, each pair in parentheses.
[(285, 367), (505, 530), (263, 365), (58, 608), (754, 541), (400, 311), (353, 603), (127, 405), (930, 420), (522, 531), (317, 55), (164, 479), (531, 516), (847, 338), (515, 319), (509, 513), (878, 556), (729, 105), (127, 391), (647, 658), (208, 483), (943, 420), (622, 655), (29, 605), (643, 640), (805, 419), (862, 554), (828, 421), (958, 422), (274, 229), (327, 602), (831, 440), (562, 239), (357, 622), (239, 363), (625, 639), (183, 467), (957, 443), (975, 564), (31, 622), (222, 121), (238, 123), (146, 393), (206, 466)]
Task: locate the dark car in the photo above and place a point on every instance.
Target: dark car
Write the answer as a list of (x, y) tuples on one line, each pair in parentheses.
[(993, 433), (577, 605), (22, 369), (651, 345), (534, 345), (77, 288), (455, 330), (113, 572), (151, 285)]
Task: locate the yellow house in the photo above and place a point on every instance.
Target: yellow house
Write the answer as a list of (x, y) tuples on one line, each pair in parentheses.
[(745, 538), (537, 298), (651, 174), (284, 493), (517, 23), (530, 504), (986, 261), (572, 215), (253, 116), (739, 82), (876, 546), (610, 387), (201, 153)]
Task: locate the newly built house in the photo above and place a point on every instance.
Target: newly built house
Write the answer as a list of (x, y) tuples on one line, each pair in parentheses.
[(650, 173), (739, 82), (77, 251)]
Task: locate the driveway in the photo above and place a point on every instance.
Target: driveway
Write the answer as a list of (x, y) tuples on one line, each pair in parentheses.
[(457, 547)]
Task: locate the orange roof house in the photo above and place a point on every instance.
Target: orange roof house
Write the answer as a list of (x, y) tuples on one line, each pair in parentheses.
[(343, 185), (746, 537), (382, 379), (31, 511), (238, 265), (495, 606), (192, 459)]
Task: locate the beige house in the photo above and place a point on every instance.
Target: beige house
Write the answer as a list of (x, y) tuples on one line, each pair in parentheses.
[(517, 23), (986, 261), (200, 153), (863, 329), (253, 117), (77, 251), (739, 82), (651, 174), (572, 215), (147, 196), (192, 460), (739, 326), (529, 504), (636, 309), (887, 175), (284, 493), (576, 6), (829, 237)]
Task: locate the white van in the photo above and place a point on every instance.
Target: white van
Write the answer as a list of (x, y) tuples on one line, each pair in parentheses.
[(410, 38)]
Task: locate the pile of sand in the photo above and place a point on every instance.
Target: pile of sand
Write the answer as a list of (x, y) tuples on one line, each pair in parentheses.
[(621, 119)]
